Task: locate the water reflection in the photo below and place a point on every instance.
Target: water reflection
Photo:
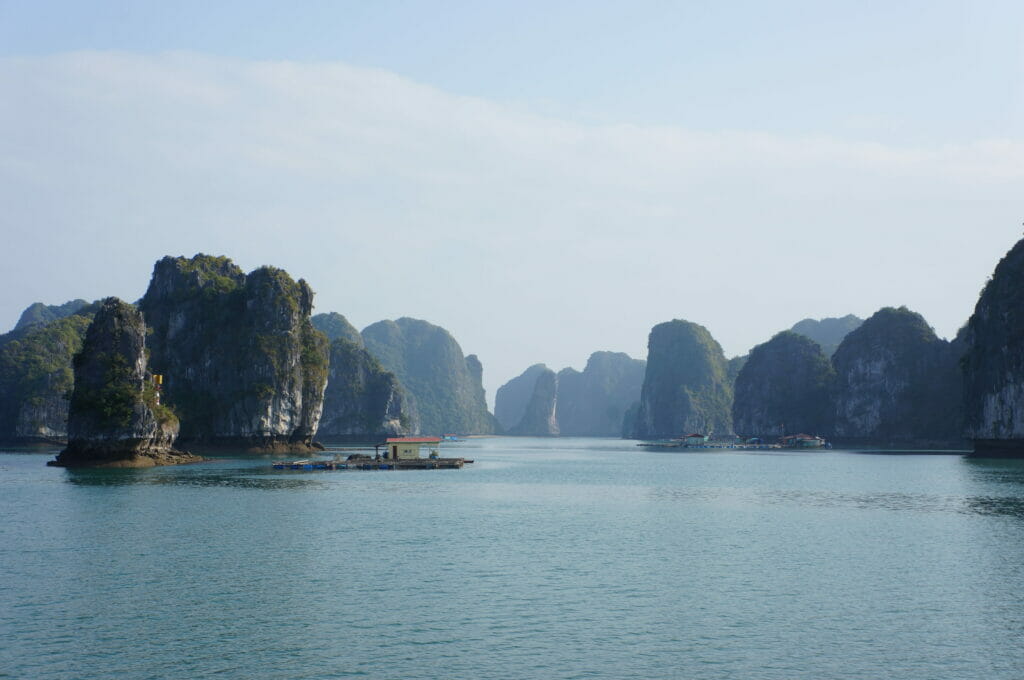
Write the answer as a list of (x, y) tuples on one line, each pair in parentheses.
[(999, 470)]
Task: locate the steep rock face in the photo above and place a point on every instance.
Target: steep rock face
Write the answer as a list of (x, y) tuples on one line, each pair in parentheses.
[(784, 388), (115, 418), (993, 363), (335, 326), (363, 401), (511, 398), (243, 365), (539, 417), (897, 382), (828, 332), (593, 403), (686, 385), (36, 378), (476, 372), (38, 313), (430, 365)]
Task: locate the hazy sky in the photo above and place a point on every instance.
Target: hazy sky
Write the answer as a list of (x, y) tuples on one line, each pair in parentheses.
[(542, 179)]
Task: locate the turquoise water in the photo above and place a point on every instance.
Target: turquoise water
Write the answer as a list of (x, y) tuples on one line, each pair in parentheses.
[(565, 558)]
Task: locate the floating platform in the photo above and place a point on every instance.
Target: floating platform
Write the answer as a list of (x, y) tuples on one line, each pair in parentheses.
[(383, 464), (731, 447)]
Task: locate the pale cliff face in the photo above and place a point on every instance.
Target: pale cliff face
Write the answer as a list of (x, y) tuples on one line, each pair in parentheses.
[(444, 384), (869, 387), (994, 355), (1002, 414), (44, 418), (897, 382), (540, 416), (240, 357), (362, 399)]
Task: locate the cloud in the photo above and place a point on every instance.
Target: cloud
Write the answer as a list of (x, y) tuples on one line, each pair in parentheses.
[(532, 238)]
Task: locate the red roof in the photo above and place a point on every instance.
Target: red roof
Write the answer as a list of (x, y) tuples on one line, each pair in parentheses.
[(413, 440)]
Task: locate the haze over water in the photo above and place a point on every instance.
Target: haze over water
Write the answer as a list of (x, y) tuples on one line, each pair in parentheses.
[(557, 558)]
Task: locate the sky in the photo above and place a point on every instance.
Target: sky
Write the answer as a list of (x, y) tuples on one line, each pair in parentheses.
[(544, 180)]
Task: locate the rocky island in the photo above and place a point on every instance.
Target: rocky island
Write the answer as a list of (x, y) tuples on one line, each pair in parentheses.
[(539, 415), (993, 362), (115, 418), (897, 383), (784, 387), (363, 401), (686, 385), (445, 386), (587, 403), (242, 364), (36, 372)]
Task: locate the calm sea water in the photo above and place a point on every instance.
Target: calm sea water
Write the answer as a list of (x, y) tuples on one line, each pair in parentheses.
[(565, 558)]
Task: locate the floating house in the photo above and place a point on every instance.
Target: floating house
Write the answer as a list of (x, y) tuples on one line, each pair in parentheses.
[(802, 441), (695, 439), (407, 448)]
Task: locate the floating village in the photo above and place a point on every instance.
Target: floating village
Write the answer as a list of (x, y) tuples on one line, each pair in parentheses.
[(395, 453), (705, 441)]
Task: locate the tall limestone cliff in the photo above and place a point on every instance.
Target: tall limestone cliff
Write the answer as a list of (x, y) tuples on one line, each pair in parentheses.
[(511, 398), (242, 364), (363, 401), (115, 418), (993, 364), (593, 403), (335, 326), (446, 386), (36, 377), (686, 385), (785, 387), (896, 382), (540, 415), (476, 373), (828, 332)]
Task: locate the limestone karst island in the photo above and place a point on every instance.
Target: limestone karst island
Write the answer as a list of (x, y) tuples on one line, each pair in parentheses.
[(212, 359)]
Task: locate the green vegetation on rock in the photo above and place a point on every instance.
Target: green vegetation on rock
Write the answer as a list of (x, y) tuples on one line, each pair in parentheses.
[(686, 386), (993, 361), (785, 387), (429, 363), (362, 400), (38, 313), (36, 377), (113, 415), (335, 326), (242, 363), (897, 382)]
